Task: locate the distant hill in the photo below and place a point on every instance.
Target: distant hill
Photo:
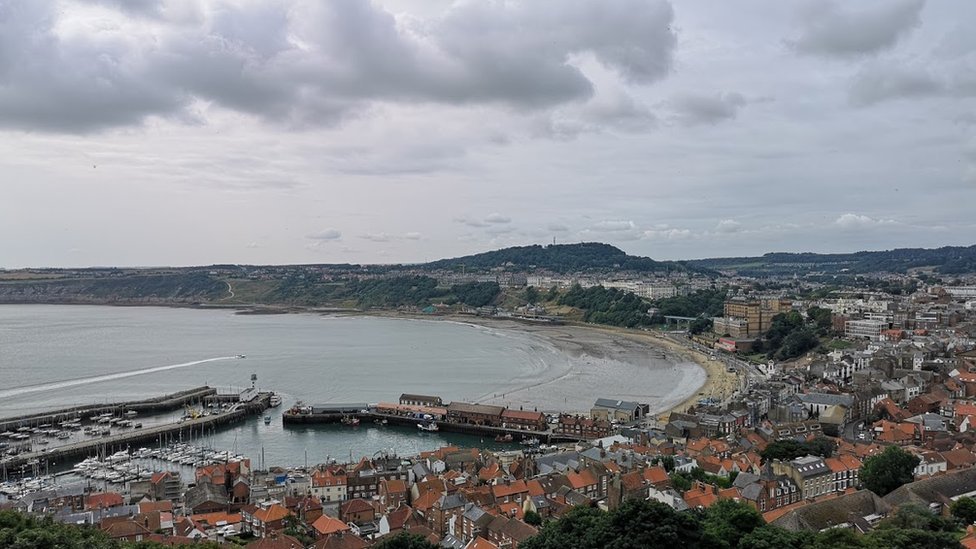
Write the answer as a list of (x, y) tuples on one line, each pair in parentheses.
[(945, 260), (560, 258)]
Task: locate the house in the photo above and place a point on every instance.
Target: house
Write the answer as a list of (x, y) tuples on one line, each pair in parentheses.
[(936, 493), (810, 473), (393, 493), (623, 411), (326, 525), (421, 400), (278, 541), (341, 540), (329, 485), (357, 511), (860, 510), (582, 427), (206, 498), (475, 414), (508, 491), (264, 521), (524, 420)]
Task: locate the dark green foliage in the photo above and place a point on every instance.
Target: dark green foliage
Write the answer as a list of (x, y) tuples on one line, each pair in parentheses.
[(964, 509), (387, 292), (789, 336), (882, 473), (476, 294), (786, 450), (635, 525), (531, 294), (947, 260), (583, 257), (607, 306), (700, 325), (726, 522), (405, 540), (726, 525), (533, 518), (708, 303), (20, 531), (915, 517), (552, 294), (822, 318)]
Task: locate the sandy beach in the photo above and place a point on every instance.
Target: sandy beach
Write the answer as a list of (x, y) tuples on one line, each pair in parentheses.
[(606, 362)]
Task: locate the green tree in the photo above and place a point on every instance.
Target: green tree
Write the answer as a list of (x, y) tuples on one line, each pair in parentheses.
[(784, 450), (771, 537), (405, 540), (727, 521), (882, 473), (821, 446), (700, 325), (964, 509), (533, 518), (531, 294)]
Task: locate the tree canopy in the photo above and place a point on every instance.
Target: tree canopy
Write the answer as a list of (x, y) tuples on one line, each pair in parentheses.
[(885, 472)]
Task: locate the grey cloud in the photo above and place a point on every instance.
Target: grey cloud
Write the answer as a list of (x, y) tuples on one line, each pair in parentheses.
[(496, 217), (384, 237), (557, 228), (308, 64), (827, 29), (877, 83), (693, 109)]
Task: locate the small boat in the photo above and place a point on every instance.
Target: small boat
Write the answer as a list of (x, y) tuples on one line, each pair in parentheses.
[(131, 413), (267, 420), (380, 422), (529, 442), (137, 426), (275, 401), (504, 438), (351, 421), (241, 356), (429, 427)]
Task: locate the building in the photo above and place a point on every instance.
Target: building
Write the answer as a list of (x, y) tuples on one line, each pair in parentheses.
[(810, 473), (582, 427), (870, 329), (745, 318), (475, 414), (618, 410), (421, 400), (524, 420)]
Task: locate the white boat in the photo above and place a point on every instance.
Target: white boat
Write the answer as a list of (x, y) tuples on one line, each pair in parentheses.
[(429, 427), (275, 401), (241, 356)]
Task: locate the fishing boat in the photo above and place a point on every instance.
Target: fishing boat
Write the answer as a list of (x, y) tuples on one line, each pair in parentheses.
[(275, 401), (429, 427), (241, 356), (267, 420), (504, 438), (351, 421), (529, 442)]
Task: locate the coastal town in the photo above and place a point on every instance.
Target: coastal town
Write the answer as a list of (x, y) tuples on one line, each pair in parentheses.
[(892, 374)]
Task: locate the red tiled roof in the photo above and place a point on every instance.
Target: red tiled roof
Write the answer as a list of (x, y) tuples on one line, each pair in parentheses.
[(326, 525)]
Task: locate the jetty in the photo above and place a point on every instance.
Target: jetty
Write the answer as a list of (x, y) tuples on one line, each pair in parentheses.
[(165, 403), (176, 431)]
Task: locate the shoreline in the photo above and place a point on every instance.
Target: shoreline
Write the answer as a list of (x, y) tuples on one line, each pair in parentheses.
[(718, 383), (580, 342)]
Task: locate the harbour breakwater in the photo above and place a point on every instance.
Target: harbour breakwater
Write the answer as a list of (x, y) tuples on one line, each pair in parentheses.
[(182, 430)]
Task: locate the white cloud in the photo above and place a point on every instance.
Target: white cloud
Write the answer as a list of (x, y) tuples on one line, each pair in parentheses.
[(693, 109), (728, 226), (857, 221), (326, 235)]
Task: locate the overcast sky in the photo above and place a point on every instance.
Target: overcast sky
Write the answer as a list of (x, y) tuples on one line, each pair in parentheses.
[(153, 132)]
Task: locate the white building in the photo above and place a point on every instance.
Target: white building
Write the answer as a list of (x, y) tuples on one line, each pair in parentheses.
[(870, 329)]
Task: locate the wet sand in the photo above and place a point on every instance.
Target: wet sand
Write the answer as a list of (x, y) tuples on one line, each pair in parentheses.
[(607, 362)]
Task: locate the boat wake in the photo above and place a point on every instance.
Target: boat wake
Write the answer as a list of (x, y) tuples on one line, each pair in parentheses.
[(106, 377)]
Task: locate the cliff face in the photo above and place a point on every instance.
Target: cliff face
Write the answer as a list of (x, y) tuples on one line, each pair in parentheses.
[(147, 289)]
